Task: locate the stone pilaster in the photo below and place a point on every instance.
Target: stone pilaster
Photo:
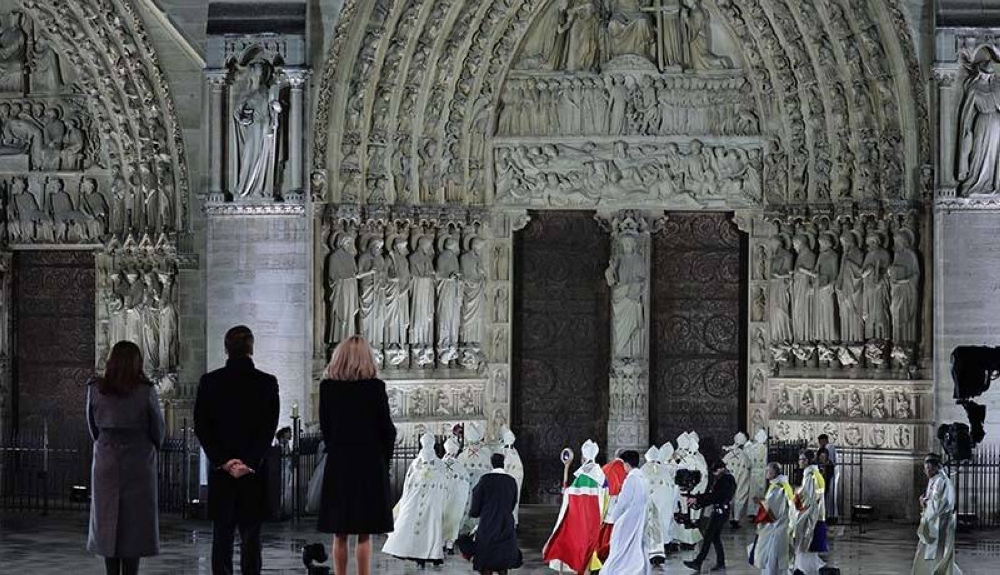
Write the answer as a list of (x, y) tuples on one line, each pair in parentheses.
[(297, 84), (628, 274)]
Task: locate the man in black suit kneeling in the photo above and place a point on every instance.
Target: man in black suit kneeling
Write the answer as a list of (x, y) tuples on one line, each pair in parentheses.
[(235, 417)]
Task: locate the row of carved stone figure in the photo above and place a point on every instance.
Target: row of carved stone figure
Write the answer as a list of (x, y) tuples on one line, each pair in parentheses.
[(583, 34), (852, 296), (141, 307), (44, 135), (620, 105), (58, 218), (855, 409), (430, 303)]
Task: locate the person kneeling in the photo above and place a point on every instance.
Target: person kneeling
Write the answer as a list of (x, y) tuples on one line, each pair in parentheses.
[(494, 500)]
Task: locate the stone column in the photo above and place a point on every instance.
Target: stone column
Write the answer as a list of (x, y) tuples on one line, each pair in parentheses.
[(296, 82), (628, 275), (216, 131)]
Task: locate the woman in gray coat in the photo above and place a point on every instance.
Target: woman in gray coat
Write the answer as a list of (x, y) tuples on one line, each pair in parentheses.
[(123, 413)]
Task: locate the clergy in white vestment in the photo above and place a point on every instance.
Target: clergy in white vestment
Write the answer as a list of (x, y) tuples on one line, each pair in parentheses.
[(756, 451), (660, 470), (769, 551), (809, 517), (476, 458), (418, 532), (628, 554), (738, 463), (689, 458), (459, 491), (512, 462), (936, 533)]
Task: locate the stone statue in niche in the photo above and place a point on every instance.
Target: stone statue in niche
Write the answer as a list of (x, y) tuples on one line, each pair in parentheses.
[(135, 295), (397, 302), (785, 403), (114, 301), (827, 271), (474, 293), (630, 31), (71, 155), (757, 387), (850, 289), (46, 74), (256, 117), (580, 28), (371, 294), (979, 132), (12, 54), (543, 48), (626, 274), (27, 222), (760, 266), (904, 278), (759, 308), (875, 309), (759, 350), (803, 294), (832, 406), (53, 132), (169, 343), (422, 328), (878, 406), (499, 343), (779, 289), (150, 314), (343, 301), (21, 134), (807, 405), (449, 298)]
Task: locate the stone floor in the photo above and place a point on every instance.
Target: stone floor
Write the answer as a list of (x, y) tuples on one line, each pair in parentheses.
[(30, 545)]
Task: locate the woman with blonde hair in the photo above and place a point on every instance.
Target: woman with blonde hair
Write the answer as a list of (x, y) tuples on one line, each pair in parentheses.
[(359, 437)]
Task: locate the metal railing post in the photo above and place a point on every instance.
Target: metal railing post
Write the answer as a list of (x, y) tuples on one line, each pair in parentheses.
[(185, 470), (44, 475), (296, 436)]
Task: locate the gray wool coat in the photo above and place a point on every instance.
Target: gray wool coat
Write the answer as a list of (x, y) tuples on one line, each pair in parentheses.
[(127, 432)]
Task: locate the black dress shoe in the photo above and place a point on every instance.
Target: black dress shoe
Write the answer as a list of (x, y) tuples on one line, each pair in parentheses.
[(735, 525), (693, 565), (720, 567)]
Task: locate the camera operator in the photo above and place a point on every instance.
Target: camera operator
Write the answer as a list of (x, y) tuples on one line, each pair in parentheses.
[(720, 496)]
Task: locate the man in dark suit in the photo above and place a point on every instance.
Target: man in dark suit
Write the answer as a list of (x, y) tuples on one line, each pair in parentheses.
[(493, 501), (235, 417), (720, 497)]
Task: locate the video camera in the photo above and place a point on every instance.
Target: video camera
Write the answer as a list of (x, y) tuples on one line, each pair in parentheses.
[(686, 480)]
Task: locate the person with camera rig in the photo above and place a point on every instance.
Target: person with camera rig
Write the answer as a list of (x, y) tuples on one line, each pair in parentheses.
[(720, 497)]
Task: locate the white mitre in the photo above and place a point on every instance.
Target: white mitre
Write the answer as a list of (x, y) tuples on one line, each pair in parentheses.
[(589, 451), (666, 452), (652, 454), (761, 436), (473, 432), (507, 437), (740, 439), (451, 446), (427, 452)]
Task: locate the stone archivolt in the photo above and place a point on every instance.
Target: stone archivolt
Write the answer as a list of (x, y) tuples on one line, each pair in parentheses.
[(128, 101), (403, 113)]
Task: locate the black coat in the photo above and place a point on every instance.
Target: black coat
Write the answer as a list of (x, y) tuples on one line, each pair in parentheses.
[(720, 494), (235, 417), (359, 436), (493, 501)]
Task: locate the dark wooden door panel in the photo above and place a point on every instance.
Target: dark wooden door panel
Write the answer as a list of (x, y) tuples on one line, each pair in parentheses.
[(561, 339), (697, 342), (54, 333)]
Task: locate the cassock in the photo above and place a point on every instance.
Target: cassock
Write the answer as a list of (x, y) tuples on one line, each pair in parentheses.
[(936, 548), (809, 522), (458, 492), (573, 543), (628, 555), (769, 550), (493, 501), (419, 515)]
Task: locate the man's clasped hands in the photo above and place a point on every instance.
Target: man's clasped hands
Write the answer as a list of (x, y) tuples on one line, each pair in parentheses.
[(236, 468)]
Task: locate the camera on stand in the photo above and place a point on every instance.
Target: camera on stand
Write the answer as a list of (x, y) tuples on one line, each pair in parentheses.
[(686, 480)]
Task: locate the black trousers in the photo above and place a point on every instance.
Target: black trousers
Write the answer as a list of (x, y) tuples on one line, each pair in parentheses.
[(119, 566), (223, 532), (713, 536)]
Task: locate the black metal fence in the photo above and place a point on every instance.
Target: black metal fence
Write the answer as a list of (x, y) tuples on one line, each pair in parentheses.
[(977, 488), (846, 503), (39, 473)]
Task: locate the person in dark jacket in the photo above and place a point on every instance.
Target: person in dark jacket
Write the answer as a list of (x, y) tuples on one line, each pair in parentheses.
[(359, 437), (493, 501), (123, 413), (720, 497), (235, 417)]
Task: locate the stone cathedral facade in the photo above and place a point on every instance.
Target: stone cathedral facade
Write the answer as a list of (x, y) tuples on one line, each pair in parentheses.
[(607, 219)]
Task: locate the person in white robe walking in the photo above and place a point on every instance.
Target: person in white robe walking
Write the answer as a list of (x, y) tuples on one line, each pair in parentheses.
[(769, 551), (418, 532), (459, 490), (628, 554), (809, 518), (936, 533)]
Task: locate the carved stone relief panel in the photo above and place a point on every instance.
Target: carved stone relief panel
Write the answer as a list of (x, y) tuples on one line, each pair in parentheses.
[(435, 404), (138, 301), (697, 292), (65, 209), (561, 333)]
